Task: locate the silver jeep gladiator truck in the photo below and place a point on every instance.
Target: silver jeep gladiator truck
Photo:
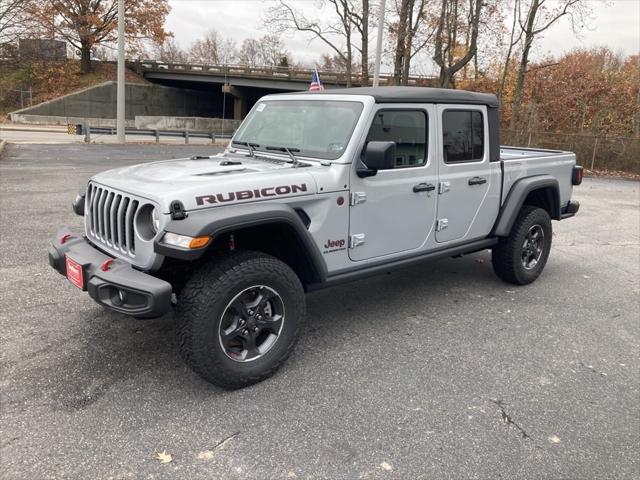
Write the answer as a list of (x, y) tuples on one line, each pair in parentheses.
[(314, 189)]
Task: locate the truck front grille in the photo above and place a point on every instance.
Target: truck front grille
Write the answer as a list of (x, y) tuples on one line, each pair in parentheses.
[(110, 216)]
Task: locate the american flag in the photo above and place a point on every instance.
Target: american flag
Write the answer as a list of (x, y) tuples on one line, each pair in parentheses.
[(316, 84)]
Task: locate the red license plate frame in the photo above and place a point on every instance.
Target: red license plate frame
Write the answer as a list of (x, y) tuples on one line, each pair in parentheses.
[(75, 272)]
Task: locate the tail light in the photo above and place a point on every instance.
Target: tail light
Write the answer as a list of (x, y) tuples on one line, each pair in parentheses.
[(578, 173)]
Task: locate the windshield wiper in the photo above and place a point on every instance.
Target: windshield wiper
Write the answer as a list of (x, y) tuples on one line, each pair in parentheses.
[(249, 145), (289, 151)]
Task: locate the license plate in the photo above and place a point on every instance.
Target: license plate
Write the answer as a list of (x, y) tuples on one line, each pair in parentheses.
[(75, 273)]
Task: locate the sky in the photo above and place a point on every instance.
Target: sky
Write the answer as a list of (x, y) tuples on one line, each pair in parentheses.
[(613, 23)]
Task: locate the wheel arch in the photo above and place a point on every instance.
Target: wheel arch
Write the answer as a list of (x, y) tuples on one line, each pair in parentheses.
[(275, 229), (540, 191)]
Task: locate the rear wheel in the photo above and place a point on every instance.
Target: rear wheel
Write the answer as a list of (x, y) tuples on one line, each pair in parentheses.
[(238, 318), (521, 257)]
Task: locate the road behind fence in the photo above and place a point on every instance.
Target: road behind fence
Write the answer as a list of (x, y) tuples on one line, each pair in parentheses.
[(592, 151)]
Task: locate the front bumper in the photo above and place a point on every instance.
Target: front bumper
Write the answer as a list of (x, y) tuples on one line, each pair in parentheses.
[(117, 287)]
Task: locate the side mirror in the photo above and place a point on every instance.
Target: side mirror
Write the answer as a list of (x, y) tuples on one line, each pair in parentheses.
[(380, 155)]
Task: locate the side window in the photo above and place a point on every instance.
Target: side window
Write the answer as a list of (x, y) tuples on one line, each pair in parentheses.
[(408, 129), (463, 132)]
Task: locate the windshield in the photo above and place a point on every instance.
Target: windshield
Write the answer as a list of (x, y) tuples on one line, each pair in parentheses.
[(317, 128)]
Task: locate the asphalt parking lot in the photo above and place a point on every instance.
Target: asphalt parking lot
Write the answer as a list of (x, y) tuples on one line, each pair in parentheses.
[(438, 371)]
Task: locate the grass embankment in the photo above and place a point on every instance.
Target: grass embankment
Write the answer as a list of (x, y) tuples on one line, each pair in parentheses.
[(49, 80)]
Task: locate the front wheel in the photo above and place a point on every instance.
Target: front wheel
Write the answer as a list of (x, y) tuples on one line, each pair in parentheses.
[(521, 257), (238, 318)]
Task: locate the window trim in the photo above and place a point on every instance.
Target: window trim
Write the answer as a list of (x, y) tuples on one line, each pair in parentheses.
[(426, 135), (484, 131)]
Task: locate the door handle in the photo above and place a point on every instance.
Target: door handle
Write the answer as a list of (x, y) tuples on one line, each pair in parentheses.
[(477, 181), (423, 187)]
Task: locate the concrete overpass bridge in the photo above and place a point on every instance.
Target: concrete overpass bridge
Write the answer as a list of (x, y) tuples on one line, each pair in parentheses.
[(237, 88)]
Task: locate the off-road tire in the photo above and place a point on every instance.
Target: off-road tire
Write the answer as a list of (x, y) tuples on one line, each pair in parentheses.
[(507, 255), (202, 303)]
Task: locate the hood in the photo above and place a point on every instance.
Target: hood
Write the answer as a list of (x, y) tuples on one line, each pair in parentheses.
[(211, 181)]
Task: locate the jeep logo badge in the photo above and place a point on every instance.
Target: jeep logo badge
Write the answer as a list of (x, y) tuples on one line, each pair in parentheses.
[(334, 246)]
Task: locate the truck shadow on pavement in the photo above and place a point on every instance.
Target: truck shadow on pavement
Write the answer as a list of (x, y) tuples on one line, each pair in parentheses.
[(109, 348)]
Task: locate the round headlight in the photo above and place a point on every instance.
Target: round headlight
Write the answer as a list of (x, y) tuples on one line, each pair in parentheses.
[(155, 220)]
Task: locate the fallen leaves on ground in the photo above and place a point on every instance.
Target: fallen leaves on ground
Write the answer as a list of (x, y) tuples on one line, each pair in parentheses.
[(611, 173), (205, 455), (163, 457)]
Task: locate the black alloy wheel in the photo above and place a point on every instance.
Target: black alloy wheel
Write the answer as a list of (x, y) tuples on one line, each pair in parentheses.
[(251, 323)]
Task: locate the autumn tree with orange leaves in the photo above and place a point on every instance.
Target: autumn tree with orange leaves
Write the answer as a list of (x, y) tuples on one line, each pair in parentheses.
[(86, 24)]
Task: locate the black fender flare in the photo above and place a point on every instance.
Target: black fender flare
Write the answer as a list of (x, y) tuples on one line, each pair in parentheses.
[(218, 221), (516, 197)]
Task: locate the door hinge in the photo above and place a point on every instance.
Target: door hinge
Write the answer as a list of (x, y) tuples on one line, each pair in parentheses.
[(356, 240), (357, 197), (441, 224), (444, 187)]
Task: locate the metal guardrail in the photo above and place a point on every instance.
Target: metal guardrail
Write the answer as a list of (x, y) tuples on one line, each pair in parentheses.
[(268, 73), (87, 131)]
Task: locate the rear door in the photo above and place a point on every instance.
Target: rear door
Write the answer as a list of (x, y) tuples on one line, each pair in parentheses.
[(466, 175), (394, 210)]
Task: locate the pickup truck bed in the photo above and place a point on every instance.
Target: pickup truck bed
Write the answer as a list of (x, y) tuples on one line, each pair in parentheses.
[(523, 153), (518, 162)]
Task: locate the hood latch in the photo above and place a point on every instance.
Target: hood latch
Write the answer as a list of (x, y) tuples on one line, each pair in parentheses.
[(177, 210)]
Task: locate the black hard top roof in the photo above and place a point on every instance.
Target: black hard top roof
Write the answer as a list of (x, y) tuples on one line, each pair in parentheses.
[(416, 95)]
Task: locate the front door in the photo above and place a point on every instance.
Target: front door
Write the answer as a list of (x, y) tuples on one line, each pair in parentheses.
[(394, 210), (466, 175)]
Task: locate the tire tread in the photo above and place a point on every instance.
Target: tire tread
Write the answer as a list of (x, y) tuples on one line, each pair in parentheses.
[(504, 256), (209, 282)]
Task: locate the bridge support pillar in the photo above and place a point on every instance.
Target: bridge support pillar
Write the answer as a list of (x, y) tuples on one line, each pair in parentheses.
[(239, 101)]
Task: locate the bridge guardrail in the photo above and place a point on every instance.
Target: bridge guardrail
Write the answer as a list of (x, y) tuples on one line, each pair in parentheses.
[(87, 130), (271, 73)]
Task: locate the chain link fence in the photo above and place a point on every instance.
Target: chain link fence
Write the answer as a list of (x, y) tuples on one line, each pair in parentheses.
[(594, 152), (15, 99)]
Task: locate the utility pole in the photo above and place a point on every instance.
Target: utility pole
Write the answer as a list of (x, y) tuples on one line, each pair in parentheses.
[(120, 87), (376, 71)]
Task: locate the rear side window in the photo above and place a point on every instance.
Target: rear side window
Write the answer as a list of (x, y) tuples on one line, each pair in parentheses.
[(408, 129), (463, 132)]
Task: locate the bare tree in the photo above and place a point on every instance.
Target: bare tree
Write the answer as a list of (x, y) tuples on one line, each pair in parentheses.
[(206, 49), (492, 29), (536, 20), (360, 19), (272, 50), (419, 35), (227, 51), (336, 31), (513, 41), (267, 51), (250, 53), (333, 63), (86, 24), (169, 51), (451, 54), (401, 33), (14, 20)]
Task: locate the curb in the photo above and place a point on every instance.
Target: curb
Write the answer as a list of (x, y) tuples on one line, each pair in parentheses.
[(33, 129)]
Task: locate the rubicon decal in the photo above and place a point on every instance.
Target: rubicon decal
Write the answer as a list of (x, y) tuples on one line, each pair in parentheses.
[(249, 194)]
